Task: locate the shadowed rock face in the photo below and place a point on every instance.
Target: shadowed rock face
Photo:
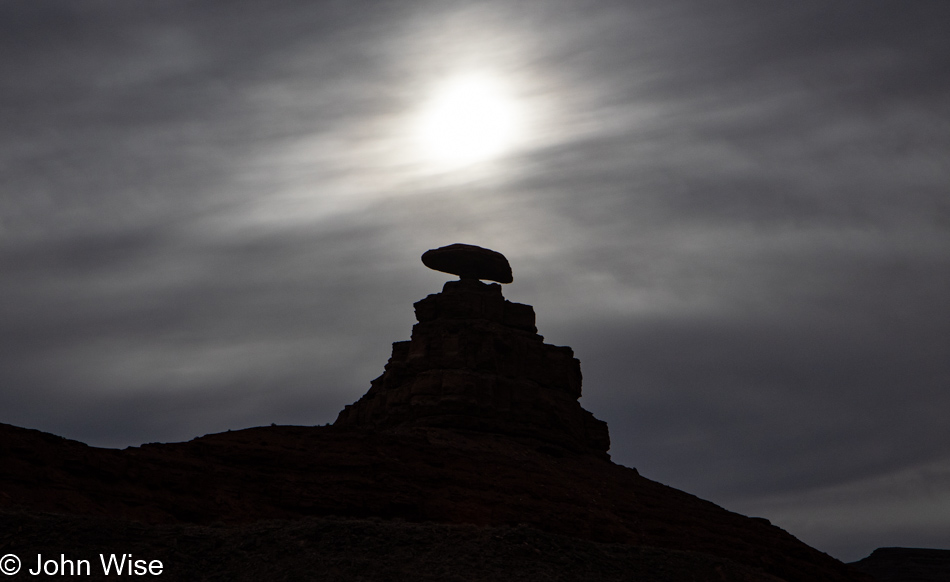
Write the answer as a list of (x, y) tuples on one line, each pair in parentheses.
[(469, 262), (475, 362)]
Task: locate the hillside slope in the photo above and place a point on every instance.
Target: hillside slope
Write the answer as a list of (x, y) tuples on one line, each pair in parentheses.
[(239, 478)]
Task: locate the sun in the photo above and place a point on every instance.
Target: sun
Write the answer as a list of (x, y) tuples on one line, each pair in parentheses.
[(469, 119)]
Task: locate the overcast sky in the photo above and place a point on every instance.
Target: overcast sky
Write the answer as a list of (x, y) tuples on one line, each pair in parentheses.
[(737, 213)]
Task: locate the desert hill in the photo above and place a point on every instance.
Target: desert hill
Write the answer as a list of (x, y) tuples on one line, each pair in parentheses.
[(235, 480), (470, 458)]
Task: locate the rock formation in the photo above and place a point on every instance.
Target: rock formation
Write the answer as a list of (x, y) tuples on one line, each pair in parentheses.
[(476, 362), (469, 262), (474, 422)]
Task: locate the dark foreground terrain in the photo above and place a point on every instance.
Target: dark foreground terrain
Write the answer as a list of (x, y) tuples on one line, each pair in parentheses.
[(367, 550), (290, 503)]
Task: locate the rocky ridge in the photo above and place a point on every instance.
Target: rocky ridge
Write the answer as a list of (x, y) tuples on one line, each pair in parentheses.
[(474, 422)]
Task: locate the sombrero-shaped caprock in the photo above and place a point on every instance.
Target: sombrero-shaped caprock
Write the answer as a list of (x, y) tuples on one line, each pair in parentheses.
[(469, 262)]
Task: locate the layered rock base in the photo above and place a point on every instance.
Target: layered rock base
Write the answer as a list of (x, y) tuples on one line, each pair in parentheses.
[(476, 362)]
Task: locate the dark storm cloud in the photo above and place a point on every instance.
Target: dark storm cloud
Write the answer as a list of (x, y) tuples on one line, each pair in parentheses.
[(736, 214)]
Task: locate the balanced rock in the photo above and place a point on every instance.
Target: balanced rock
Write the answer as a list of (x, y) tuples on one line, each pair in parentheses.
[(469, 262)]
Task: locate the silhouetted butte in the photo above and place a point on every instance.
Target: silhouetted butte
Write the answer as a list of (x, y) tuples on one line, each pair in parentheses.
[(476, 362), (475, 420)]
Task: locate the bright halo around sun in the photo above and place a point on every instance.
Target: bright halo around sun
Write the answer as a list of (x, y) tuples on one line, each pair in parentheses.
[(469, 119)]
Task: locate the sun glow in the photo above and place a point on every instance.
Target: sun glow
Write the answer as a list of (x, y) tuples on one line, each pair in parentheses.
[(470, 119)]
